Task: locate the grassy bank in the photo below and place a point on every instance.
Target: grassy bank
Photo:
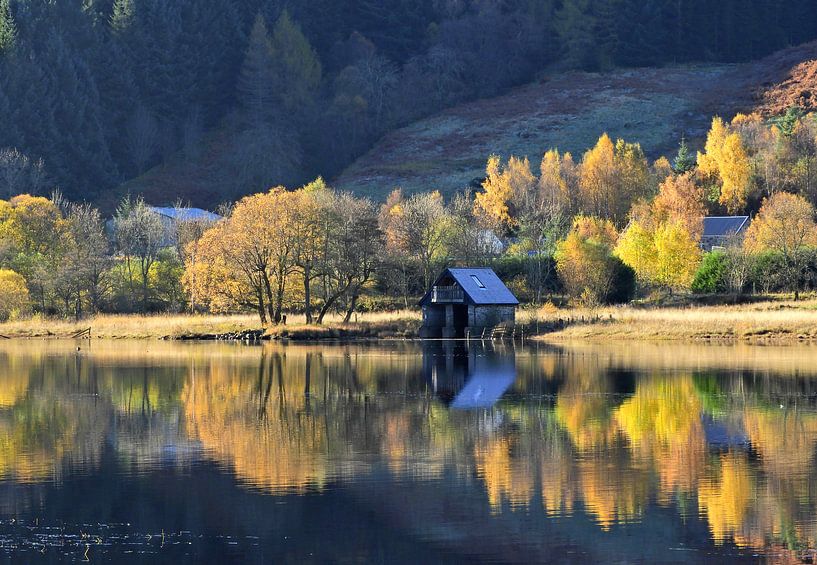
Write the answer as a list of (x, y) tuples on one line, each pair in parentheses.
[(385, 324), (773, 320)]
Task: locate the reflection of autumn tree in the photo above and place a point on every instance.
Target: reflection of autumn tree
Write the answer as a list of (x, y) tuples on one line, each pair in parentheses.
[(557, 476), (613, 491), (34, 437), (726, 496), (584, 409), (260, 423), (507, 478), (784, 439), (13, 385), (663, 423)]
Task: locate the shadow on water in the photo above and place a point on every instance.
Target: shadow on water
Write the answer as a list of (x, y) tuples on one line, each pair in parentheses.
[(406, 452)]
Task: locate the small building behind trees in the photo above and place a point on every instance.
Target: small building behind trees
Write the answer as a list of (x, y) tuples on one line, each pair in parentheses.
[(719, 231), (173, 217), (466, 300)]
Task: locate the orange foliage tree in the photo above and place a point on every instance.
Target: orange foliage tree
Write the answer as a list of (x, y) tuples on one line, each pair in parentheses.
[(784, 225)]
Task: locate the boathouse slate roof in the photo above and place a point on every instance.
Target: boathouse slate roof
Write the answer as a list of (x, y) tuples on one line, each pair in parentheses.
[(494, 293)]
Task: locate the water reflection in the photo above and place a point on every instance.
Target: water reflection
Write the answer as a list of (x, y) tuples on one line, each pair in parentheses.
[(494, 453), (467, 376)]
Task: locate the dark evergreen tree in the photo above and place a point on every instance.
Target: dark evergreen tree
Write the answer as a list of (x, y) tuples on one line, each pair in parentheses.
[(8, 28), (684, 161)]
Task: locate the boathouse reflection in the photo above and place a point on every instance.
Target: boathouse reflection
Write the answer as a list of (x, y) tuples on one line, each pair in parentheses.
[(468, 375)]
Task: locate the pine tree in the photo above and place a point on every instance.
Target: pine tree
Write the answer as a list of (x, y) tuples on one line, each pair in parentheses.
[(8, 27), (575, 25), (123, 15), (295, 64), (684, 160), (256, 81)]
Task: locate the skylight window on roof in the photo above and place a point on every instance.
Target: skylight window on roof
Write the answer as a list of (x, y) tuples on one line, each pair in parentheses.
[(479, 282)]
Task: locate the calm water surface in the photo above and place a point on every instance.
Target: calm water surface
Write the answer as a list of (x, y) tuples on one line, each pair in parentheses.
[(407, 453)]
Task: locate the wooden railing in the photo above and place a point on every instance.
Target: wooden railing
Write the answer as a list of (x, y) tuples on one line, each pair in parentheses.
[(443, 294)]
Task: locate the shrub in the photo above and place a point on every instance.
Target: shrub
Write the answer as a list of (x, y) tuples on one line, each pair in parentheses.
[(14, 299), (768, 272), (711, 275), (624, 283)]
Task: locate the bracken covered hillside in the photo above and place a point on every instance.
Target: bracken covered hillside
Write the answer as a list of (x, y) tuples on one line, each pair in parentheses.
[(655, 107)]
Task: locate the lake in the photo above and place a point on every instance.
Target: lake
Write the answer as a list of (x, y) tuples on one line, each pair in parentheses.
[(402, 452)]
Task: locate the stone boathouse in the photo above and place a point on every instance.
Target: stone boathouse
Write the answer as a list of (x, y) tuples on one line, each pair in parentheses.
[(466, 300)]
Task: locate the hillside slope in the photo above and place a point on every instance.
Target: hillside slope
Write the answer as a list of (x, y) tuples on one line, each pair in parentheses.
[(654, 107)]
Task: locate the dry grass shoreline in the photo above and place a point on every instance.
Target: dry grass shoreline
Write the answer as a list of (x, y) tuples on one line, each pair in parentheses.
[(767, 321), (179, 326)]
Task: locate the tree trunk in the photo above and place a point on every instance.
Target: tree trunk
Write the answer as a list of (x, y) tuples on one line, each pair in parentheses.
[(329, 302), (268, 289), (279, 298), (262, 313), (351, 309), (307, 295)]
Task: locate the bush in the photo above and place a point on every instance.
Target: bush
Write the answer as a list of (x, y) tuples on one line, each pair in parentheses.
[(768, 273), (711, 275), (14, 299), (624, 283)]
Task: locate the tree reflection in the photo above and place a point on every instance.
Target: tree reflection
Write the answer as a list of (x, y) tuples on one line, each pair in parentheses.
[(568, 437)]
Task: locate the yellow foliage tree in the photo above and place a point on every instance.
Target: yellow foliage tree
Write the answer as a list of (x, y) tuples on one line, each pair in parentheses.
[(584, 260), (636, 247), (667, 255), (14, 299), (251, 254), (597, 178), (736, 174), (661, 242), (505, 190), (612, 177), (556, 180), (677, 256), (726, 162), (681, 199)]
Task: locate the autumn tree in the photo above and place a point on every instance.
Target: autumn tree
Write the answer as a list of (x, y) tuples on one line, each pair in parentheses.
[(418, 228), (585, 262), (309, 233), (247, 259), (32, 242), (558, 180), (677, 256), (352, 252), (506, 190), (140, 235), (212, 279), (726, 162), (612, 177), (83, 271), (14, 298), (682, 200), (661, 240), (784, 225)]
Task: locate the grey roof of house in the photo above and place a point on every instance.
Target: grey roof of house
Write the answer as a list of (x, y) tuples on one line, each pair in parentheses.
[(186, 214), (724, 226), (495, 291)]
